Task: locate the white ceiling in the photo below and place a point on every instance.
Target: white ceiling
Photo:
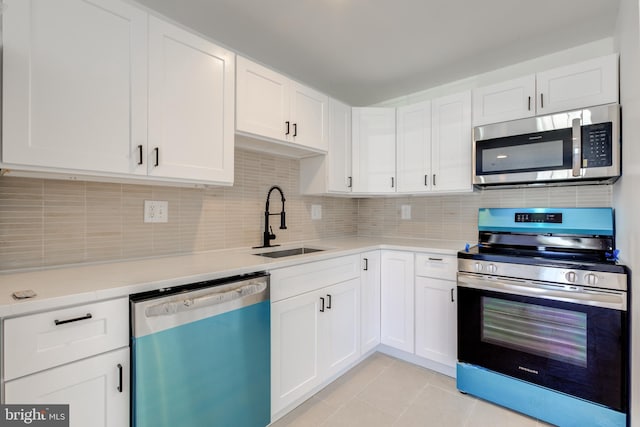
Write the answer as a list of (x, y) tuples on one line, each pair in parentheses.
[(367, 51)]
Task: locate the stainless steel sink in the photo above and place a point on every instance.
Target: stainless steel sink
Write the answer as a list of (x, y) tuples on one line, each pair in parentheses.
[(288, 252)]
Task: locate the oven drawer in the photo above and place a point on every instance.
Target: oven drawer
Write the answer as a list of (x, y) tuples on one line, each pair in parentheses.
[(436, 265), (39, 341)]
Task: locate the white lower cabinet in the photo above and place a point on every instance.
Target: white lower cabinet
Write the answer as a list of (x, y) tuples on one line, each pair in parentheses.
[(295, 367), (436, 320), (396, 307), (315, 333), (74, 355), (435, 305), (370, 301), (96, 389)]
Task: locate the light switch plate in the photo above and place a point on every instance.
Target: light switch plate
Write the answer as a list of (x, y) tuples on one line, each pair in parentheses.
[(405, 212), (316, 211), (156, 211)]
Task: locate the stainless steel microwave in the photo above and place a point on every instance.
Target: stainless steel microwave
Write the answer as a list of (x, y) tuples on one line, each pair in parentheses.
[(571, 147)]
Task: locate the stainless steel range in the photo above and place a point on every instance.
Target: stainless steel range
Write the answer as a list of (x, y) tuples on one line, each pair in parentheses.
[(543, 315)]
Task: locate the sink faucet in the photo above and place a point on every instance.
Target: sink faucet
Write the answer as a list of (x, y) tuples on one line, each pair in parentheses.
[(268, 231)]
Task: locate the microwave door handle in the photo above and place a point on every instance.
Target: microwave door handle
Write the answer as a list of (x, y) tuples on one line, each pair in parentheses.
[(576, 149)]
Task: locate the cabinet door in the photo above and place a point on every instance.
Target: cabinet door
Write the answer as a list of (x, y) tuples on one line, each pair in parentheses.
[(374, 150), (397, 300), (191, 105), (309, 117), (370, 301), (340, 344), (295, 366), (436, 320), (587, 83), (414, 148), (452, 143), (74, 84), (510, 100), (339, 155), (91, 387), (262, 101)]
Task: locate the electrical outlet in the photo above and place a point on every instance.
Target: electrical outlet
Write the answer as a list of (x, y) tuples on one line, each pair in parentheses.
[(405, 212), (316, 211), (156, 211)]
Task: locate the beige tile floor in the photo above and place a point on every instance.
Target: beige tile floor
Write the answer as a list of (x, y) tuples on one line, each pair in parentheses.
[(384, 391)]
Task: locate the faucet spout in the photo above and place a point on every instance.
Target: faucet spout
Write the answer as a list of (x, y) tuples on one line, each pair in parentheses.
[(268, 235)]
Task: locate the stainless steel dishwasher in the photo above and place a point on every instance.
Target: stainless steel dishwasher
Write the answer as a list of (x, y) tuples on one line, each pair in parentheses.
[(201, 354)]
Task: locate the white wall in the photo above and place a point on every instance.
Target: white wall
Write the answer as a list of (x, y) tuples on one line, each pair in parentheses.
[(558, 59), (626, 191)]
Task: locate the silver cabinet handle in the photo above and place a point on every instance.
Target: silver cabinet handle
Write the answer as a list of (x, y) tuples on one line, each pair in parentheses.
[(576, 149)]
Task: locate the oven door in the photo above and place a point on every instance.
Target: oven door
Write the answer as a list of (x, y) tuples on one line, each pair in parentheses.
[(572, 341)]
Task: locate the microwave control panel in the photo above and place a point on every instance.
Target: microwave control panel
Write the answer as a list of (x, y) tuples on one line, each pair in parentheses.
[(597, 145)]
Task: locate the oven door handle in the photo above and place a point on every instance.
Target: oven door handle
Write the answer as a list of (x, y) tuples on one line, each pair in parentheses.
[(616, 300)]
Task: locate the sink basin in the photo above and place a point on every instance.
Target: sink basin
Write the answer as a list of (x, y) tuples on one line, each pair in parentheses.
[(288, 252)]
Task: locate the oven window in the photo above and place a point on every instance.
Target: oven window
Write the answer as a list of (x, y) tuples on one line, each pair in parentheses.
[(531, 156), (544, 331)]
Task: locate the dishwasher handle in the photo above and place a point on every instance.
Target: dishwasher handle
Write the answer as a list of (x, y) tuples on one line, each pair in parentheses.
[(210, 299)]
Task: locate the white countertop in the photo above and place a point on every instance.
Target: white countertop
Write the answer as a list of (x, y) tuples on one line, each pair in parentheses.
[(76, 284)]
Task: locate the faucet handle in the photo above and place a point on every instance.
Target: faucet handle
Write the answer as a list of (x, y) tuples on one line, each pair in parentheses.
[(271, 235)]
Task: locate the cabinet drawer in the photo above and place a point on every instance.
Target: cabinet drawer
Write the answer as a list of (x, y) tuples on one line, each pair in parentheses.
[(436, 265), (291, 281), (40, 341)]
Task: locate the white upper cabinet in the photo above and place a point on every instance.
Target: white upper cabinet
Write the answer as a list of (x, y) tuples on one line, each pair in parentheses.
[(340, 176), (262, 96), (451, 136), (587, 83), (374, 150), (269, 105), (190, 90), (74, 85), (510, 100), (592, 82), (331, 173), (98, 88), (413, 141)]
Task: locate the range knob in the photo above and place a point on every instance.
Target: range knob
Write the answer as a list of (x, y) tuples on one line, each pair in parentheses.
[(570, 276), (591, 279), (491, 268), (478, 267)]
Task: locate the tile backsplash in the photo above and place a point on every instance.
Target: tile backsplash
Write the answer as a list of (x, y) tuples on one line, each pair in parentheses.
[(54, 222), (455, 216)]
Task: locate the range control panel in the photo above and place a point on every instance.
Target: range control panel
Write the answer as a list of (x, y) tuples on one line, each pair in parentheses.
[(597, 145), (546, 217)]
